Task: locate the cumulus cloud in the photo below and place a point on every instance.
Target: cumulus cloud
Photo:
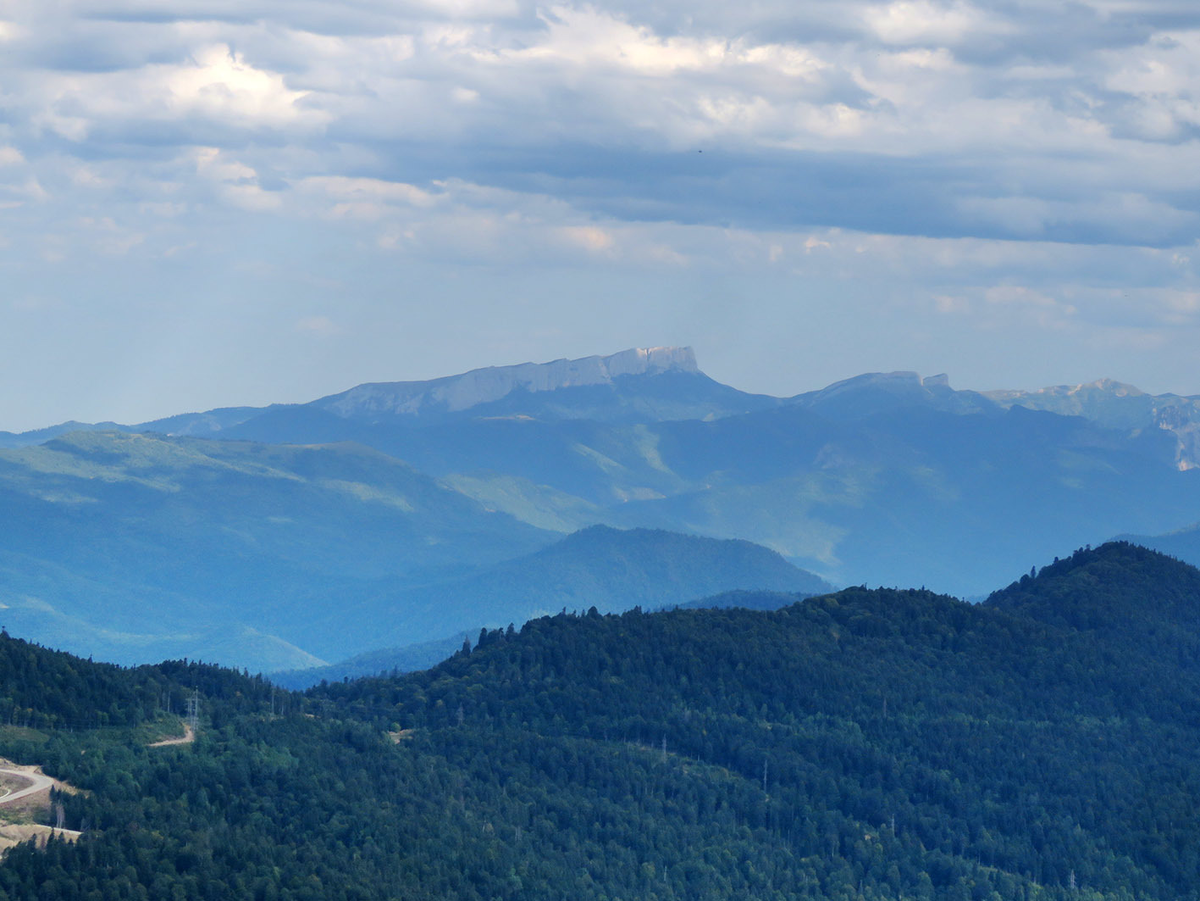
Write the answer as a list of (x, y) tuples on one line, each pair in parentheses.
[(929, 151), (835, 115)]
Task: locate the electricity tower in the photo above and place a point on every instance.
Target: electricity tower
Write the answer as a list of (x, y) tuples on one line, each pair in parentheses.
[(193, 712)]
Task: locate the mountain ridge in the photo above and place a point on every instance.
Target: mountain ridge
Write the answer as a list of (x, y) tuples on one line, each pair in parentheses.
[(480, 386), (597, 567), (1108, 402)]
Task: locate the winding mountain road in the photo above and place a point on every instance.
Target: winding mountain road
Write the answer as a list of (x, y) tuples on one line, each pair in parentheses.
[(38, 782)]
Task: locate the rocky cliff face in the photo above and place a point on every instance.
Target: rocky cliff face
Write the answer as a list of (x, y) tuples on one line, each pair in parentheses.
[(480, 386), (1119, 406)]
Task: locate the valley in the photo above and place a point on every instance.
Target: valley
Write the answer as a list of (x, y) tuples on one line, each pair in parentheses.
[(398, 515)]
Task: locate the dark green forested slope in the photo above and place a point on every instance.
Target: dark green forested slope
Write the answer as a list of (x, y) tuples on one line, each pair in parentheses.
[(869, 744), (1125, 591), (52, 691)]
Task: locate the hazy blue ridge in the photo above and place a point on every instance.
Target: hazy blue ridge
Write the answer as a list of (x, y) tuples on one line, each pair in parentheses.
[(407, 659), (609, 569), (920, 485), (135, 547), (883, 479), (1183, 543), (424, 655), (154, 544)]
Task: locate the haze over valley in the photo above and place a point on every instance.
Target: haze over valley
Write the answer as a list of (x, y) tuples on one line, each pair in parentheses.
[(399, 514)]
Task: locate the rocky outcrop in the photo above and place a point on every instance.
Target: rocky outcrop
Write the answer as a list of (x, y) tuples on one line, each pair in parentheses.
[(1116, 405), (480, 386)]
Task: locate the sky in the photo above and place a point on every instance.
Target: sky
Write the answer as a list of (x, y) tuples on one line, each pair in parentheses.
[(220, 202)]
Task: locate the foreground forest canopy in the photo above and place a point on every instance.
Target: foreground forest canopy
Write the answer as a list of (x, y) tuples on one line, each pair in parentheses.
[(866, 744)]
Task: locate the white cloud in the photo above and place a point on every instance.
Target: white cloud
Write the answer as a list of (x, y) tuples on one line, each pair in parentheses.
[(236, 183), (585, 37), (1162, 80), (17, 193), (220, 83), (949, 303), (924, 22), (216, 84)]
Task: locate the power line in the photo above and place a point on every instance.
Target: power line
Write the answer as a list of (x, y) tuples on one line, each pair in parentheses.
[(193, 712)]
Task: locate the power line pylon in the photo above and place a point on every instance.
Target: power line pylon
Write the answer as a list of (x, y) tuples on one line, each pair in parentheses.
[(193, 712)]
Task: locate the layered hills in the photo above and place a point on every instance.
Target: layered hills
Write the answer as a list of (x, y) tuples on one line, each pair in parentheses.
[(600, 568), (878, 744), (1182, 543), (261, 530), (135, 547), (884, 478)]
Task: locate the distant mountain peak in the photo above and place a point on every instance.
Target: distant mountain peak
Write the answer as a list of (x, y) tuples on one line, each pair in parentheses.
[(874, 392), (1105, 386), (899, 382), (1113, 387), (1116, 405), (480, 386)]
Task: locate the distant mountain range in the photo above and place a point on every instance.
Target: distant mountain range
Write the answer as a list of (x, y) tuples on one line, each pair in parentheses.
[(405, 512), (136, 547), (615, 388)]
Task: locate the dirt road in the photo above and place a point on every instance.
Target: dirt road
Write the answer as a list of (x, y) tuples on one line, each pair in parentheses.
[(37, 782), (188, 736)]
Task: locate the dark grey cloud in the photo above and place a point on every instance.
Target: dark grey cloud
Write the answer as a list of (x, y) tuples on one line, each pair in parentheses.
[(864, 192)]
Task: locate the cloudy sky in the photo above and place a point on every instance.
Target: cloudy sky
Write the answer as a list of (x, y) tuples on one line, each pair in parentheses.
[(217, 202)]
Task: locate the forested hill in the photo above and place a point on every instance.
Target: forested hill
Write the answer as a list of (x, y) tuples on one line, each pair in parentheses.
[(43, 689), (1006, 750), (863, 745), (1122, 589)]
